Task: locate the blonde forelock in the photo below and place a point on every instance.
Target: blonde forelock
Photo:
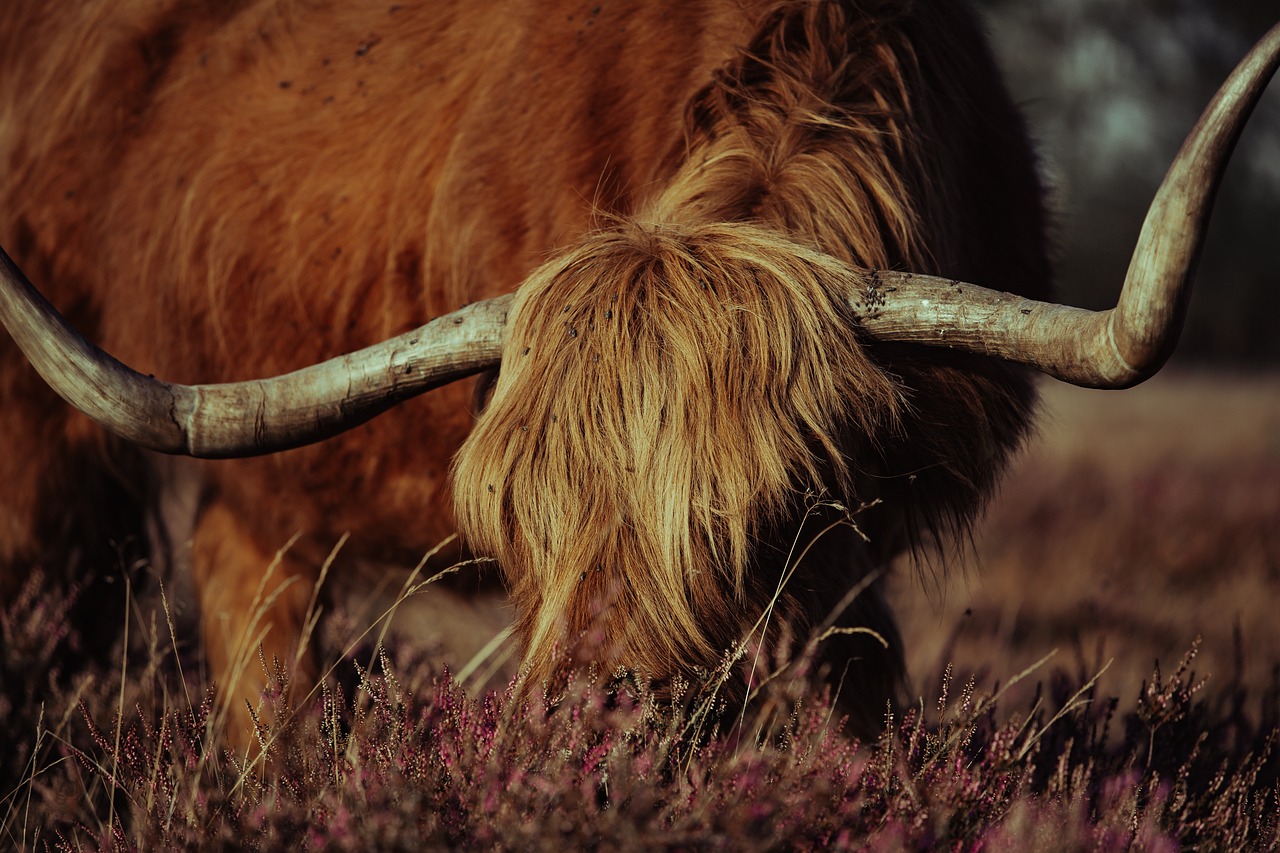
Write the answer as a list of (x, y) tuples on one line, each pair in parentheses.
[(666, 394)]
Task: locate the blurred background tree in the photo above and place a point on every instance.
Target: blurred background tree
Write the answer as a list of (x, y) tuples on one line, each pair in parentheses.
[(1111, 88)]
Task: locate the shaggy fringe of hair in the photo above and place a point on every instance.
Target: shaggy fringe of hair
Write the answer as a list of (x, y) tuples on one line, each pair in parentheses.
[(667, 393)]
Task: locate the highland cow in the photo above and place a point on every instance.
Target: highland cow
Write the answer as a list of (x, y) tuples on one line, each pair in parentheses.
[(722, 407)]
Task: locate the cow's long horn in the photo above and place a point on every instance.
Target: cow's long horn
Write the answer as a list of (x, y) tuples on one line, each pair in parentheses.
[(254, 417), (1117, 348), (1108, 349)]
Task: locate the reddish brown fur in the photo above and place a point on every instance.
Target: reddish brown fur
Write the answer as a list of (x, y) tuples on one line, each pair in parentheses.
[(231, 189)]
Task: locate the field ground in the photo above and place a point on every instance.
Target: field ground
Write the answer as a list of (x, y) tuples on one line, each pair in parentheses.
[(1133, 523)]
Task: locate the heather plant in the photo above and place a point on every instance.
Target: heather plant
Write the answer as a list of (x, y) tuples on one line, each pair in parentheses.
[(394, 753), (34, 640)]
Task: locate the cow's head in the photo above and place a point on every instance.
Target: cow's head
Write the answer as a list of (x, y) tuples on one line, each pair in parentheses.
[(670, 400)]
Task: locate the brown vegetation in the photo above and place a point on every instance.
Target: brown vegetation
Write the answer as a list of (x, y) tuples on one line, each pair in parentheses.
[(1135, 522)]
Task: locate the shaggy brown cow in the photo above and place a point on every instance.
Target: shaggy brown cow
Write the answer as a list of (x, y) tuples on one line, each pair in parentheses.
[(699, 379)]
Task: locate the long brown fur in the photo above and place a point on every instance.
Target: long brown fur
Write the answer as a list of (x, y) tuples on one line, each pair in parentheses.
[(221, 190)]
